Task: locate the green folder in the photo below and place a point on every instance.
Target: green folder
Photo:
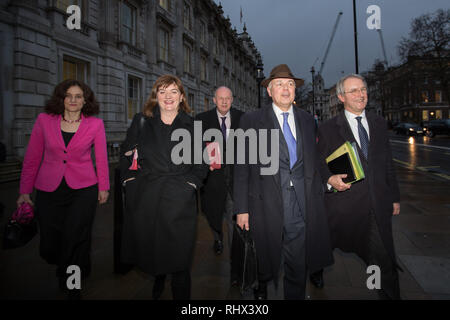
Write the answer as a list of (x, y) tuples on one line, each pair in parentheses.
[(345, 160)]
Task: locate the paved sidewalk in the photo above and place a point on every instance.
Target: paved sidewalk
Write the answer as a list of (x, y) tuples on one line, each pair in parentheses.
[(421, 235)]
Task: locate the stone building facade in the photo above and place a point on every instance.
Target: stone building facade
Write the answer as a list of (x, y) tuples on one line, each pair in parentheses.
[(120, 50), (415, 91)]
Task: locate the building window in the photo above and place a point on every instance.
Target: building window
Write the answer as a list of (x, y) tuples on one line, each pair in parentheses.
[(187, 58), (438, 96), (133, 96), (203, 33), (75, 69), (191, 101), (216, 75), (425, 115), (128, 24), (206, 104), (203, 65), (187, 22), (164, 45), (164, 4), (438, 114), (425, 96), (215, 46), (63, 4)]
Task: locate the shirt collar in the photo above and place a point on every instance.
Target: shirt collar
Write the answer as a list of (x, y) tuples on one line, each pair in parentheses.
[(351, 116), (220, 115), (279, 112)]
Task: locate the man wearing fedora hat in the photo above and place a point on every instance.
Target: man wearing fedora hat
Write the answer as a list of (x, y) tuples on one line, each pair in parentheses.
[(285, 211)]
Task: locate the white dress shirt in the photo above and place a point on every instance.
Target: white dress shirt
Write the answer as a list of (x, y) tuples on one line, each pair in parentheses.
[(227, 120), (351, 118), (280, 118), (291, 122)]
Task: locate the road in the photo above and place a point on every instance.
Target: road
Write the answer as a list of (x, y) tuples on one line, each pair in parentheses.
[(431, 155)]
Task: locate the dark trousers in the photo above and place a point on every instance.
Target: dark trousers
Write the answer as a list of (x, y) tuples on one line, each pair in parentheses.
[(378, 255), (294, 249), (65, 219), (181, 284)]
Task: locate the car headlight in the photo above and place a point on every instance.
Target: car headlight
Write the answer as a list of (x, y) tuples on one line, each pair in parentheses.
[(424, 129), (411, 129)]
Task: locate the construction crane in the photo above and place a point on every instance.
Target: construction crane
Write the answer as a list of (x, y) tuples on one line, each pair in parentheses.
[(382, 47), (329, 43)]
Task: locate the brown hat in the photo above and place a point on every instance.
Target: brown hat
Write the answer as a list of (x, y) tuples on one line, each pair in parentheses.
[(282, 71)]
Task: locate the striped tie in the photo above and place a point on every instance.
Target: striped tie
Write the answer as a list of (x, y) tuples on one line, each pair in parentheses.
[(363, 138)]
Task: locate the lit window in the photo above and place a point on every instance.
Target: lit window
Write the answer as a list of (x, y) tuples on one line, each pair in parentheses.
[(438, 96), (164, 4), (75, 69), (63, 4), (425, 96), (133, 97)]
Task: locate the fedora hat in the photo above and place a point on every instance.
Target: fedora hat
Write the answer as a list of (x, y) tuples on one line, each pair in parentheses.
[(281, 71)]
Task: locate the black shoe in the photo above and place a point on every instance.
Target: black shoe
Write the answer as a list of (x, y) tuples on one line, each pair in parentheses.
[(218, 247), (316, 279), (261, 292), (158, 286)]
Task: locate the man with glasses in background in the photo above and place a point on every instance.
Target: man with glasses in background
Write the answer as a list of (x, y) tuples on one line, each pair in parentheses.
[(360, 214)]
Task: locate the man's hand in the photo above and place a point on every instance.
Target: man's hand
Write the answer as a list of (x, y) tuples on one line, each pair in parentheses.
[(396, 208), (103, 196), (242, 221), (336, 182)]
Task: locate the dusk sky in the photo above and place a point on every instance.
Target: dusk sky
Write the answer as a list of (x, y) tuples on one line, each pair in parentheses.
[(296, 32)]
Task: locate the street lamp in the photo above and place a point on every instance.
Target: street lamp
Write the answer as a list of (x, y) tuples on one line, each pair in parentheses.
[(312, 73)]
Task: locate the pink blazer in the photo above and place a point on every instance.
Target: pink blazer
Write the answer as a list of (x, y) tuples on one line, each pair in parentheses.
[(47, 160)]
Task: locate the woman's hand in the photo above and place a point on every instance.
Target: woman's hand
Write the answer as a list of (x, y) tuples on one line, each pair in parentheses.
[(103, 196), (24, 198)]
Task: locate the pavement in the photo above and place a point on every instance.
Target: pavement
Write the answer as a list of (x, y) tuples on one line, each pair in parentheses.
[(421, 236)]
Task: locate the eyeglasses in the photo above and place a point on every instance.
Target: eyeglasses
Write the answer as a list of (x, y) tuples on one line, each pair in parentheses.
[(355, 91)]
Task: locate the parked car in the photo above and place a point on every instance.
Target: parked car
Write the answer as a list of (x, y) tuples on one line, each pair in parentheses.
[(434, 127), (408, 129)]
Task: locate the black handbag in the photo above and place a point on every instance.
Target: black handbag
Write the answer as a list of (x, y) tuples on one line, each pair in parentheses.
[(21, 228), (245, 255)]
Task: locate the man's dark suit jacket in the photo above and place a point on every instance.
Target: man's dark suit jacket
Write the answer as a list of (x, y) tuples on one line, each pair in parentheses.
[(214, 192), (261, 197), (348, 211)]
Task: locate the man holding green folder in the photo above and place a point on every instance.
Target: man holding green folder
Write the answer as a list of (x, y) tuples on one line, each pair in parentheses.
[(360, 213)]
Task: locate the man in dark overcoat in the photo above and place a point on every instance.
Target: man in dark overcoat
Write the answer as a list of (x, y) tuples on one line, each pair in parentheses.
[(360, 214), (216, 195), (283, 209)]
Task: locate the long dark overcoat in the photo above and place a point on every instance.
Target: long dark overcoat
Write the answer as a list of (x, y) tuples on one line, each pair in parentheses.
[(161, 209), (261, 197), (349, 211), (214, 192)]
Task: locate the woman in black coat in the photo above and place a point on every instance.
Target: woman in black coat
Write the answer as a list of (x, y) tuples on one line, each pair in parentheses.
[(161, 206)]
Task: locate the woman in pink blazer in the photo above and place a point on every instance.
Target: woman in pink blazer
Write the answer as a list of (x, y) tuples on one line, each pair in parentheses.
[(58, 164)]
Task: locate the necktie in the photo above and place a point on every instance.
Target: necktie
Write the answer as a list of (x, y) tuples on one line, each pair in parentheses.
[(224, 128), (290, 140), (363, 138)]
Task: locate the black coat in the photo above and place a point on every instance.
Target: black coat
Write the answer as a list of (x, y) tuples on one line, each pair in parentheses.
[(349, 211), (261, 197), (161, 208), (217, 184)]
